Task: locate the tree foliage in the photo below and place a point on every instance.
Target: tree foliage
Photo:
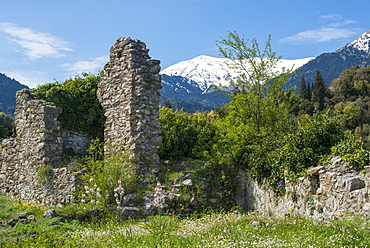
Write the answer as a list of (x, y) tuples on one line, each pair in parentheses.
[(6, 125), (303, 148), (259, 85), (77, 97), (318, 92), (186, 135), (260, 111), (352, 151), (106, 175)]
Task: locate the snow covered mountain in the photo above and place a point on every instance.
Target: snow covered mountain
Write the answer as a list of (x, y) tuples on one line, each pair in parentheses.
[(191, 81), (206, 71), (332, 64), (362, 43)]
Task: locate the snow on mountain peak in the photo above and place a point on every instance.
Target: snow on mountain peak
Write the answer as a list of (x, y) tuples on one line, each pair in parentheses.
[(207, 71), (362, 43), (204, 70)]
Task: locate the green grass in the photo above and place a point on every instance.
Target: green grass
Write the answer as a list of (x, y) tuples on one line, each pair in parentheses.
[(229, 229)]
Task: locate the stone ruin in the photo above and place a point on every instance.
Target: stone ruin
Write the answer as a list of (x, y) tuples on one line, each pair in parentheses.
[(39, 143), (326, 192), (129, 94)]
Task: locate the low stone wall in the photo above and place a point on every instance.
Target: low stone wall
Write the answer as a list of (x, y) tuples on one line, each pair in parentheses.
[(38, 144), (326, 192)]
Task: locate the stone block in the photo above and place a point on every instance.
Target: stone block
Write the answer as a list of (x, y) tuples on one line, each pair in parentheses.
[(355, 183), (366, 206), (314, 171)]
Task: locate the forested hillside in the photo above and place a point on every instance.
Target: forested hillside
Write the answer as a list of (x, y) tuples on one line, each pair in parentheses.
[(8, 89)]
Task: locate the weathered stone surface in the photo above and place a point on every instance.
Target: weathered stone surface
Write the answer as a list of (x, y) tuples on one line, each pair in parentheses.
[(22, 215), (130, 211), (38, 143), (13, 222), (314, 171), (326, 192), (366, 206), (129, 95), (50, 213), (355, 183), (255, 223), (187, 182), (78, 142)]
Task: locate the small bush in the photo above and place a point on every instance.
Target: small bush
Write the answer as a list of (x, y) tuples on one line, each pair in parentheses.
[(304, 148), (185, 135), (352, 151), (106, 175)]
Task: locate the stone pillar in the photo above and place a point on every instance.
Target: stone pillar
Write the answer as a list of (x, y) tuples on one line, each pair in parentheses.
[(129, 95), (38, 127)]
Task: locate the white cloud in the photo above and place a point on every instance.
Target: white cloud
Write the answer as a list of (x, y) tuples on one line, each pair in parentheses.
[(92, 65), (332, 17), (35, 44), (332, 31)]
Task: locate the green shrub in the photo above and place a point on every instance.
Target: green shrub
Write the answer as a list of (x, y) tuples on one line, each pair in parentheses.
[(304, 148), (219, 181), (185, 135), (108, 175), (6, 125), (77, 97), (352, 152)]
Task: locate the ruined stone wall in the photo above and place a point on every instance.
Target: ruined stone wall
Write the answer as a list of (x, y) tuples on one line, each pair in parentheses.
[(129, 95), (326, 192), (78, 142), (38, 143)]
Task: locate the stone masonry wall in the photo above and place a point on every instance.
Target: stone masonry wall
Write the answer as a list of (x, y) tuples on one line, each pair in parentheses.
[(38, 144), (129, 95), (328, 191)]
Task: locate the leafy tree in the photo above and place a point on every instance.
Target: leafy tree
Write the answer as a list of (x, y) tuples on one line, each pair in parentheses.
[(313, 138), (259, 85), (318, 91), (305, 104), (351, 99), (186, 135), (309, 91), (260, 112), (353, 152), (303, 91), (6, 125), (77, 97)]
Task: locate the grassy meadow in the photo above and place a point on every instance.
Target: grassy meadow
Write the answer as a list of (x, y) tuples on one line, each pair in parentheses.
[(207, 229)]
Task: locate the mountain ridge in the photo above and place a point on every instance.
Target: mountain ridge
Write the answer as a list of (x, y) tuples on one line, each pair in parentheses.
[(202, 73), (190, 83), (331, 65), (209, 71), (8, 90)]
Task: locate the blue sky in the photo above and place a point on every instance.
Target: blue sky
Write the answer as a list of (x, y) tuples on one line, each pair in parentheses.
[(46, 40)]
